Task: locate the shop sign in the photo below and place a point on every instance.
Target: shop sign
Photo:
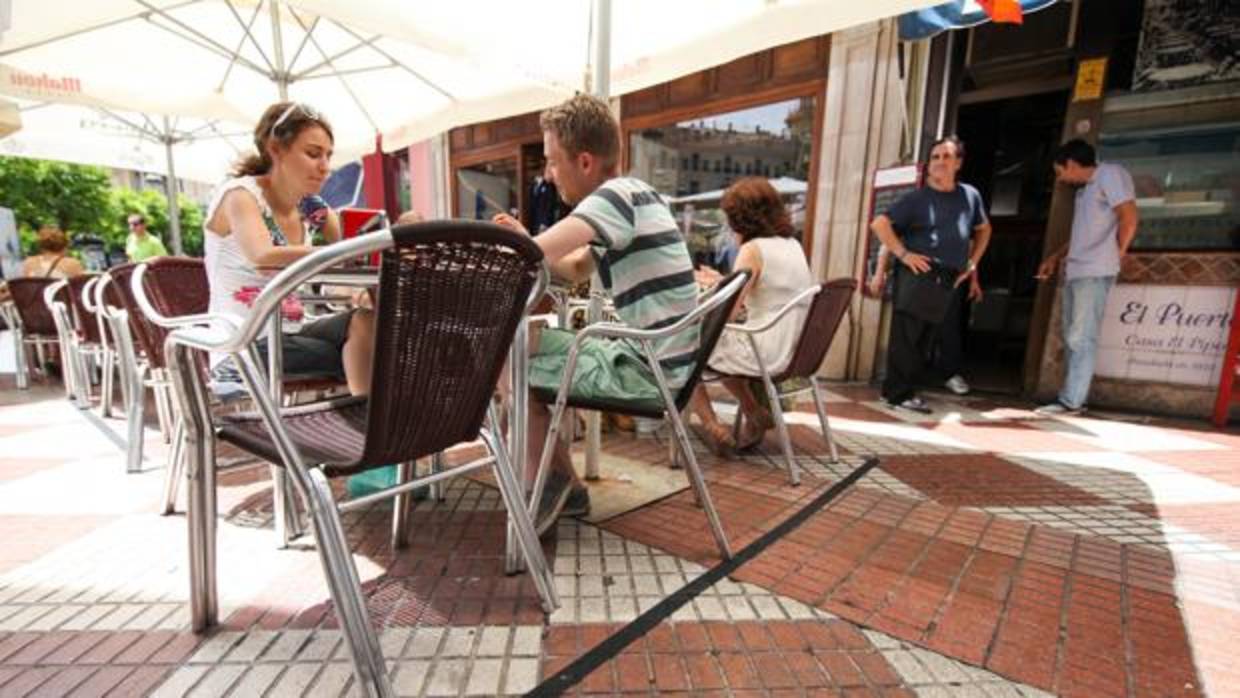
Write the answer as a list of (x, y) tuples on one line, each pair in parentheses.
[(1165, 334), (1090, 76)]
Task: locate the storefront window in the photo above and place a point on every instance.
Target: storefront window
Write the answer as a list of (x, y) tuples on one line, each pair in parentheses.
[(693, 162), (1187, 181), (486, 189)]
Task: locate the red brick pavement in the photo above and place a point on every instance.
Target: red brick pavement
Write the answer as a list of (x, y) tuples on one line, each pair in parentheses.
[(452, 572), (1078, 615), (983, 480), (738, 659), (90, 664)]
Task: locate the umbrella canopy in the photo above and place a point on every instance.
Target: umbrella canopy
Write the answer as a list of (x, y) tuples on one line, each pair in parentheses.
[(405, 70), (175, 147), (784, 186), (229, 59), (203, 149)]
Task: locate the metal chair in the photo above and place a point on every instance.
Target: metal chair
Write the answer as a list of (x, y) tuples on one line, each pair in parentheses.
[(88, 341), (712, 313), (93, 302), (114, 301), (57, 296), (451, 294), (32, 324), (822, 319)]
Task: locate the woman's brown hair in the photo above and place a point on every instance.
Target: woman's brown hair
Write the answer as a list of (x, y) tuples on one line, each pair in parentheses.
[(281, 123), (754, 210), (52, 239)]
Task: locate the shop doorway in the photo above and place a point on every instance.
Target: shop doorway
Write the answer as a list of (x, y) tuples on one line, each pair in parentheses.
[(1010, 145)]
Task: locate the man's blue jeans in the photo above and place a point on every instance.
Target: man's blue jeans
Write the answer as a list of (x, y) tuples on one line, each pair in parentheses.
[(1084, 301)]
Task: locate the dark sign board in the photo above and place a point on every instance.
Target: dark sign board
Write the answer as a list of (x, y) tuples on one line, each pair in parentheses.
[(890, 183)]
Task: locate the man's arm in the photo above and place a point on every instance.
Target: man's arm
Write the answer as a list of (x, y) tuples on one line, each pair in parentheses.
[(1127, 229), (917, 263), (1051, 262), (977, 248), (565, 245)]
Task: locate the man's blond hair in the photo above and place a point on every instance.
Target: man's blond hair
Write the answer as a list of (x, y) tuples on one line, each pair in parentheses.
[(584, 124)]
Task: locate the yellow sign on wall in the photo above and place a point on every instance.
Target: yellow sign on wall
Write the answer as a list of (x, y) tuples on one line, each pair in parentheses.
[(1090, 76)]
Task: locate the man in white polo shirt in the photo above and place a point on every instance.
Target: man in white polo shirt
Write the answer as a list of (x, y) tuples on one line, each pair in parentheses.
[(1104, 222)]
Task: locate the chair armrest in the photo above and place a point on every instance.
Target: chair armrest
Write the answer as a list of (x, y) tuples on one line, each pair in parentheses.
[(269, 299), (88, 290), (618, 330), (758, 329), (613, 329), (148, 308)]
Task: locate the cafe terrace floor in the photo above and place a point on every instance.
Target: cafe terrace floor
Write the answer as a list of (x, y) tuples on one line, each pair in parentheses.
[(989, 553)]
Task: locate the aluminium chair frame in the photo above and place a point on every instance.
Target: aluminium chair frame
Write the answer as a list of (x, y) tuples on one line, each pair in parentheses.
[(774, 394), (23, 338), (611, 330), (73, 365), (229, 334)]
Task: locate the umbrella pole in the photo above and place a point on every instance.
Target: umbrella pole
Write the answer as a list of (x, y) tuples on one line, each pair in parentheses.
[(600, 85), (170, 185)]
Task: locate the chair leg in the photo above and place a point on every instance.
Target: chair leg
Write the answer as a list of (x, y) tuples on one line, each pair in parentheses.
[(691, 464), (135, 415), (677, 454), (176, 463), (698, 482), (400, 507), (673, 453), (162, 408), (106, 392), (437, 492), (19, 357), (370, 670), (821, 406), (519, 520), (777, 410)]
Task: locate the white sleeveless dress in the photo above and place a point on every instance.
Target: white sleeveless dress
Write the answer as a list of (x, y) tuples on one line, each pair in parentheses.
[(785, 273)]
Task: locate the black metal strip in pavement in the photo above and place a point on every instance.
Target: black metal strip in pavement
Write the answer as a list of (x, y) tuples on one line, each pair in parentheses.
[(601, 653)]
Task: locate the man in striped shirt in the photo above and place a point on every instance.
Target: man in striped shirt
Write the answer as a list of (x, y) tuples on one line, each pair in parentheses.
[(621, 229)]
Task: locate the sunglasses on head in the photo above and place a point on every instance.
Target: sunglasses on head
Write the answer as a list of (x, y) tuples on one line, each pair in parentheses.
[(307, 111)]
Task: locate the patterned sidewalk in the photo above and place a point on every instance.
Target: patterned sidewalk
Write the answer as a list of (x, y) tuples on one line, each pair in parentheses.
[(991, 553)]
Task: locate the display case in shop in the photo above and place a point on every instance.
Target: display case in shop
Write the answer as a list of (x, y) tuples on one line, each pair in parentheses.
[(1185, 165)]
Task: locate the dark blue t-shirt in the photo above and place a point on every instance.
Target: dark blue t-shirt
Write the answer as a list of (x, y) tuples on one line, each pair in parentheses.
[(939, 224)]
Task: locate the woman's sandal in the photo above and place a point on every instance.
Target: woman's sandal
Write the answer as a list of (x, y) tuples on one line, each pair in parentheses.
[(753, 429), (717, 438)]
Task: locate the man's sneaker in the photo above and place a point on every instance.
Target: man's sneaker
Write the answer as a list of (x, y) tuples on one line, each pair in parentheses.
[(1057, 409), (578, 502), (555, 494), (914, 404), (957, 385)]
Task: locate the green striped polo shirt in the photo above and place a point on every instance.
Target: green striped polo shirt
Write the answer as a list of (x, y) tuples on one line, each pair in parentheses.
[(644, 265)]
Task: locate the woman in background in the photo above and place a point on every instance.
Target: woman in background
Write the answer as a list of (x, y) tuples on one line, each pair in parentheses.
[(269, 215), (771, 253), (53, 260)]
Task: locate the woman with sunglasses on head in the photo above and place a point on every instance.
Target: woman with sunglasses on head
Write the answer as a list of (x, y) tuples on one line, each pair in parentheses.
[(269, 214)]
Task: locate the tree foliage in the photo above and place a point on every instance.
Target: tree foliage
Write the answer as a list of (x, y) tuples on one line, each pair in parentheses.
[(82, 200)]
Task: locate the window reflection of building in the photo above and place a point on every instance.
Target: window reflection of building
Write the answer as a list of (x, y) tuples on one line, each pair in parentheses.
[(712, 152), (693, 162), (486, 189)]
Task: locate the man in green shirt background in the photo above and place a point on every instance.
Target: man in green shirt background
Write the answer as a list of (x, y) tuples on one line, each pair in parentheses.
[(141, 245)]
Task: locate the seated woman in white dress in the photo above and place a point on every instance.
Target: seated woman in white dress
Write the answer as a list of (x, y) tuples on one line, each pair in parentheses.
[(778, 272), (269, 215)]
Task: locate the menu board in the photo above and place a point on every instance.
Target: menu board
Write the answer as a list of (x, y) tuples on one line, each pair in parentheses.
[(890, 183)]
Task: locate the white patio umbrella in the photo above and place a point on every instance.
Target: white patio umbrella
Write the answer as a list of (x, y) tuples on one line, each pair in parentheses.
[(175, 147), (229, 59), (405, 70)]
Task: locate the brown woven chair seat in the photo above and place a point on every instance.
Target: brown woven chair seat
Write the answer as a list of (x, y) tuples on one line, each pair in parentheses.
[(653, 409), (27, 294), (332, 432)]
